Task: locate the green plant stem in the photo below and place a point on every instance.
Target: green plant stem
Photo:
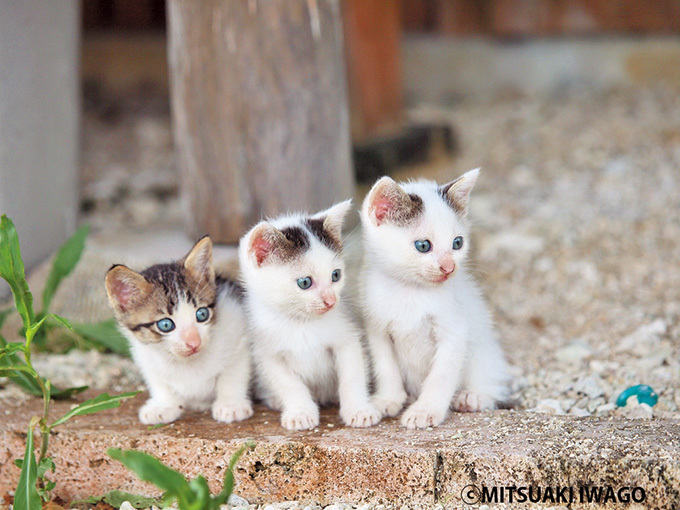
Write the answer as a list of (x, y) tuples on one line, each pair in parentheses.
[(44, 428)]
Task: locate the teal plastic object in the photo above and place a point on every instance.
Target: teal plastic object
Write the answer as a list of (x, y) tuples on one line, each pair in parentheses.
[(645, 395)]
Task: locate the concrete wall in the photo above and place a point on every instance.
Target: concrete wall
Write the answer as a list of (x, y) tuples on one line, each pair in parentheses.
[(39, 121), (444, 69)]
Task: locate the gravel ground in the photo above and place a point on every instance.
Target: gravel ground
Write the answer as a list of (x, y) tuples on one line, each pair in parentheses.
[(577, 216)]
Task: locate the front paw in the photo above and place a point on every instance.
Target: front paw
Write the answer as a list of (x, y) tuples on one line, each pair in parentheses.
[(152, 413), (300, 418), (389, 404), (365, 416), (420, 416), (228, 412), (472, 402)]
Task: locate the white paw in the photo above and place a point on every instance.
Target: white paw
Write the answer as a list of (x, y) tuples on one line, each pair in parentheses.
[(365, 416), (420, 416), (472, 402), (228, 412), (153, 414), (300, 419), (389, 405)]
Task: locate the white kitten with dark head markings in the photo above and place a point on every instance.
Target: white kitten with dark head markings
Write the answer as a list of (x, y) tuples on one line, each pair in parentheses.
[(306, 350), (429, 332), (187, 333)]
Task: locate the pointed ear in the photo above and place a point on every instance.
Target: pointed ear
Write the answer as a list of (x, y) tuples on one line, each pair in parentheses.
[(334, 217), (199, 260), (388, 202), (264, 241), (457, 193), (125, 287)]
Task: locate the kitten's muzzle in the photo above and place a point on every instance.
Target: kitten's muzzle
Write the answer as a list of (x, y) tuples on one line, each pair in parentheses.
[(447, 266), (192, 341), (329, 299)]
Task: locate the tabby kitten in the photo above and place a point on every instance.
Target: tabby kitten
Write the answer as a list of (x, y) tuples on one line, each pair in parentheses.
[(306, 349), (429, 331), (187, 333)]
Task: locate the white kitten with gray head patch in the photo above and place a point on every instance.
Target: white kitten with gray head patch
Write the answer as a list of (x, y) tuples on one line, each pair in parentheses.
[(187, 332), (306, 349), (429, 332)]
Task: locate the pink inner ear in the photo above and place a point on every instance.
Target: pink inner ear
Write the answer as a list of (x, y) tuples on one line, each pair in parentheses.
[(261, 248), (381, 208), (123, 292)]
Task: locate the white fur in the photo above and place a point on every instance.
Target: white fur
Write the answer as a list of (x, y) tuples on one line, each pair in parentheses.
[(216, 376), (303, 358), (431, 341)]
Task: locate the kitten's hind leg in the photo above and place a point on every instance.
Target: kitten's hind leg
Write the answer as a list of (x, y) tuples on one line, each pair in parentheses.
[(232, 402), (486, 379)]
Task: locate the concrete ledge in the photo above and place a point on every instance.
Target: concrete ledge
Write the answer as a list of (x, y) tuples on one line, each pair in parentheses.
[(384, 464)]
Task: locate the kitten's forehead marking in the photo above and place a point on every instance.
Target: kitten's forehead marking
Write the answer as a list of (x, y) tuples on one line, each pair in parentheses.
[(409, 214), (298, 243), (317, 228)]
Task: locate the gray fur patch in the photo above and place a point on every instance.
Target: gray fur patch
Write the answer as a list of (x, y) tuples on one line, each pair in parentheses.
[(296, 243), (316, 227)]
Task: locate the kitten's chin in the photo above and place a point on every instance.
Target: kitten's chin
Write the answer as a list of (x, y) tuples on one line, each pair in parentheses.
[(437, 279), (441, 278), (187, 354)]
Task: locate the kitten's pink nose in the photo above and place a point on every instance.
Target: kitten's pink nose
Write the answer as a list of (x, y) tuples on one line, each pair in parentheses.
[(329, 298), (447, 265), (191, 339)]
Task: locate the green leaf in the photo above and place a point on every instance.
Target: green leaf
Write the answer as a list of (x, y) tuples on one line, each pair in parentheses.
[(30, 332), (12, 270), (8, 370), (99, 403), (4, 314), (45, 492), (61, 320), (59, 394), (26, 496), (92, 500), (45, 465), (150, 469), (228, 488), (11, 348), (105, 334), (116, 499), (64, 262), (199, 487), (26, 381)]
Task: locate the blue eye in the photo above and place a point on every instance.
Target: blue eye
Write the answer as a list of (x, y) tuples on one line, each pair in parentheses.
[(165, 325), (202, 314), (304, 283), (458, 243), (423, 245), (335, 276)]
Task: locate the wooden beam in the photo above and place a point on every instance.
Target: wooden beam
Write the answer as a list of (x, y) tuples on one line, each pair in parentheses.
[(260, 115)]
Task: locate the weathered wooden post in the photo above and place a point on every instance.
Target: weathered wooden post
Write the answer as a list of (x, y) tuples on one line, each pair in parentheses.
[(260, 115)]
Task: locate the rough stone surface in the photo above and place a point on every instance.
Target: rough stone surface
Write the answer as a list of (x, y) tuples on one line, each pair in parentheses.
[(382, 465)]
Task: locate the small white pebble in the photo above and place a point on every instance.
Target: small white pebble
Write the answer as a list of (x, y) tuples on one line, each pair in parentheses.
[(330, 425), (235, 500), (126, 506)]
